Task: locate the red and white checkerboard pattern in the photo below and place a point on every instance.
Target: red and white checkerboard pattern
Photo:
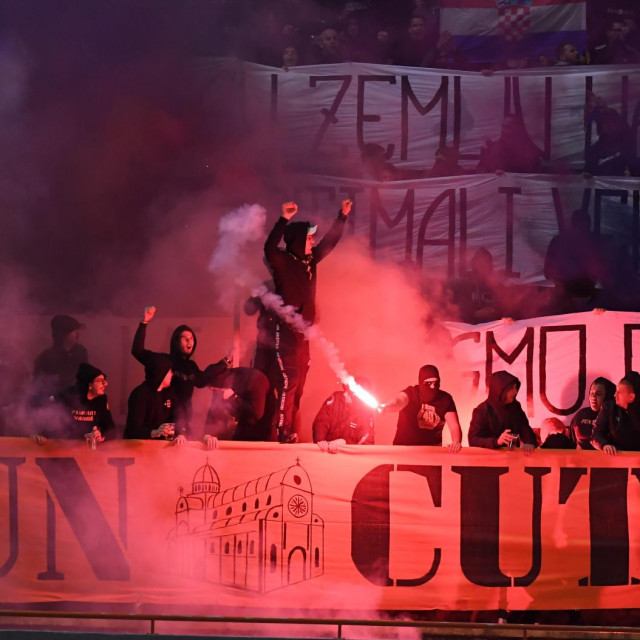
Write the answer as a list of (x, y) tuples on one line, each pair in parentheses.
[(514, 22)]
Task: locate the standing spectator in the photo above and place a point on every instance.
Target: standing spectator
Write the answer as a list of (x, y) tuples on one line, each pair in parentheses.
[(151, 404), (499, 421), (617, 426), (327, 48), (618, 46), (289, 57), (514, 151), (417, 48), (294, 276), (613, 153), (424, 410), (553, 436), (601, 390), (567, 55), (575, 260), (250, 391), (343, 419), (57, 366)]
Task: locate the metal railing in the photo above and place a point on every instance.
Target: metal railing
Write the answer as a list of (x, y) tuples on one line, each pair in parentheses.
[(426, 628)]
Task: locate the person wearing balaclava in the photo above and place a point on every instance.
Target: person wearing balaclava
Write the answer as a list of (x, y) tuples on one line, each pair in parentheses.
[(151, 404), (56, 367), (500, 421), (84, 408), (617, 427), (294, 275), (581, 427), (424, 410)]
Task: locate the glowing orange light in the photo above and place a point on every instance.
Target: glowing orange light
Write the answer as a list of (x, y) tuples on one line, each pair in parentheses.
[(360, 393)]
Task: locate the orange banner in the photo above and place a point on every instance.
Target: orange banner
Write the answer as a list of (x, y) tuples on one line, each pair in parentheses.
[(289, 528)]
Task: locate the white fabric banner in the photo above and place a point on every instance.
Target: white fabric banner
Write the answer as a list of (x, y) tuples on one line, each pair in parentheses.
[(326, 113)]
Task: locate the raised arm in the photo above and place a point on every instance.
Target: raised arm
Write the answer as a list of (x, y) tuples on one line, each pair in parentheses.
[(138, 350), (271, 251), (331, 238)]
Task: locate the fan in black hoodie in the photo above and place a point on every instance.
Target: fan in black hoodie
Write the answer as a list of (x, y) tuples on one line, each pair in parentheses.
[(249, 385), (151, 404), (617, 426), (499, 421)]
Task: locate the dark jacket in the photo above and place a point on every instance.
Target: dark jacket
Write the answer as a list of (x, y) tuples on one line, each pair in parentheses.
[(493, 416), (294, 274), (344, 416), (617, 426), (84, 414), (59, 365), (148, 408), (186, 373)]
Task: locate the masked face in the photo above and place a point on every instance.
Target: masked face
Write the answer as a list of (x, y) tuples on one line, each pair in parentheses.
[(429, 388)]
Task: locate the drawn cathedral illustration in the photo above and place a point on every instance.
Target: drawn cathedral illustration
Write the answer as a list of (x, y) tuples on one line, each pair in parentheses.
[(260, 536)]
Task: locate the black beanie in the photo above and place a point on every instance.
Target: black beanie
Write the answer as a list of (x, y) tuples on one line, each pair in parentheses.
[(87, 373), (428, 371)]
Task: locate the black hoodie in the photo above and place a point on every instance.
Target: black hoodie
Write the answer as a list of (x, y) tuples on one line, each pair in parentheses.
[(186, 373), (149, 408), (294, 273), (617, 426), (493, 416)]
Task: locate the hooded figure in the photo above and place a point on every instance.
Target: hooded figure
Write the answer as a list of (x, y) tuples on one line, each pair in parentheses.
[(617, 426), (294, 276), (581, 428), (85, 405), (500, 412), (151, 403), (58, 365), (424, 410)]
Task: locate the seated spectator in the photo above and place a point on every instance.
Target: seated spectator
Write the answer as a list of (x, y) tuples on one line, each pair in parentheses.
[(85, 408), (344, 419), (326, 49), (151, 404), (617, 427), (514, 151), (446, 163), (575, 259), (424, 410), (553, 436), (499, 421), (55, 368), (417, 48), (581, 427), (567, 55)]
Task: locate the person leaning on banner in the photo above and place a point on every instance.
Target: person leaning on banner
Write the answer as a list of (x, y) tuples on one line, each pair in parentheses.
[(581, 426), (424, 410), (499, 421), (151, 404), (186, 373), (85, 410), (617, 426), (343, 419)]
